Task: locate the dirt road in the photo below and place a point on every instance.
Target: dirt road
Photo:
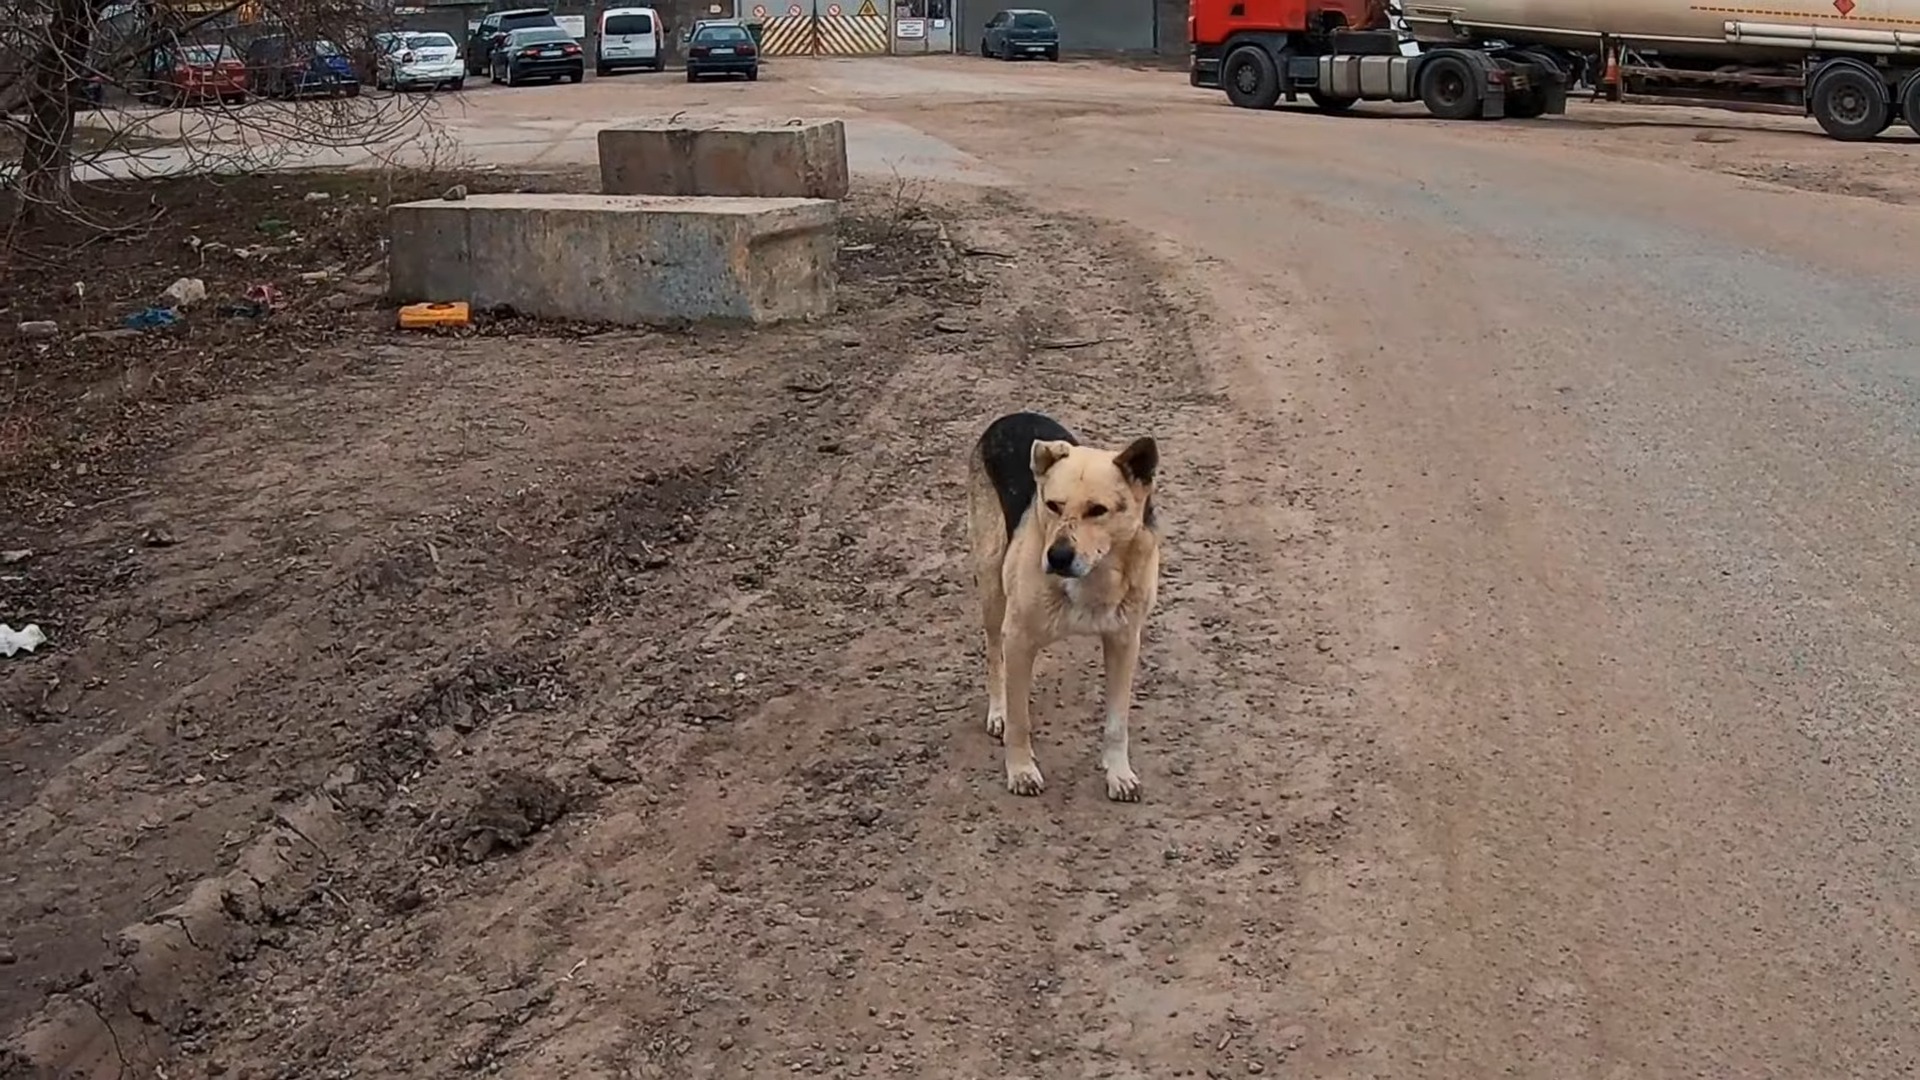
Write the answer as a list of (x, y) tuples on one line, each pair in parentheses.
[(1616, 464), (1531, 695)]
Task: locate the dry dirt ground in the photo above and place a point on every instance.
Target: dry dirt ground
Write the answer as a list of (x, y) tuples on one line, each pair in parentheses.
[(608, 704), (1529, 696)]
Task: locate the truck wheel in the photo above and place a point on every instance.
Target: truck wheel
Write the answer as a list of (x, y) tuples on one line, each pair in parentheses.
[(1250, 77), (1449, 89), (1850, 103), (1532, 103), (1529, 104), (1327, 103), (1910, 103)]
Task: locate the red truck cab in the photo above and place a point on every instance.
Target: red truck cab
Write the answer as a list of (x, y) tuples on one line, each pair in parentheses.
[(1338, 53), (1213, 26)]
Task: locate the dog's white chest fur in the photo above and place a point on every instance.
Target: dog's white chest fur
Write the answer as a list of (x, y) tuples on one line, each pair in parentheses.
[(1089, 610)]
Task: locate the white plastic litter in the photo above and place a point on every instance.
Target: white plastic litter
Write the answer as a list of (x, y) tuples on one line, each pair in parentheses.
[(25, 639)]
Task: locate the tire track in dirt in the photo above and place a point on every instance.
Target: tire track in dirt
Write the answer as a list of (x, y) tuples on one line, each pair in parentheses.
[(458, 659)]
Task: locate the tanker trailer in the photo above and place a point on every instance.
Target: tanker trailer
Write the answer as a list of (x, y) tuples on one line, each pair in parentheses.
[(1854, 65)]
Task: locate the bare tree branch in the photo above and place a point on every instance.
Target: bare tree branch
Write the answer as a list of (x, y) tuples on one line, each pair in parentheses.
[(58, 57)]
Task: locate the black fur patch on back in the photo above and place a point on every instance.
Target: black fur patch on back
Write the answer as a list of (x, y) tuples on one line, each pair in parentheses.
[(1006, 449)]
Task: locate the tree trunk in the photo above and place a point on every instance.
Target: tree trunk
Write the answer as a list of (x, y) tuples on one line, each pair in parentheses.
[(46, 161)]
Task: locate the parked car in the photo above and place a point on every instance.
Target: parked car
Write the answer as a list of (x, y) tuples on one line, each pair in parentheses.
[(178, 74), (722, 47), (1018, 32), (539, 52), (629, 38), (282, 66), (493, 30), (423, 58)]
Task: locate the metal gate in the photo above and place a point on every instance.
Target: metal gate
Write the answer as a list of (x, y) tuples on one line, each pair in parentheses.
[(824, 28), (922, 26)]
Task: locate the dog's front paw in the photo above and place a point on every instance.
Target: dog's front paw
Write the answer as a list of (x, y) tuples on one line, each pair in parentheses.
[(1123, 785), (1025, 779), (996, 722)]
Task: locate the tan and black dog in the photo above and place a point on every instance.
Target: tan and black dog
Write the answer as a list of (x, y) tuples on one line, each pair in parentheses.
[(1063, 545)]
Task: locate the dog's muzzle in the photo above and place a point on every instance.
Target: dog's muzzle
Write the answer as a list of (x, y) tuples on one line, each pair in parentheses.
[(1061, 560)]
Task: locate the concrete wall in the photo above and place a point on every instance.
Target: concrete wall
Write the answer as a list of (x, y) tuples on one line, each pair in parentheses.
[(735, 158), (630, 259), (1103, 25)]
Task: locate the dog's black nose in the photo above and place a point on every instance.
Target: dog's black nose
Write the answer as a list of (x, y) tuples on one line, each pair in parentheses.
[(1060, 558)]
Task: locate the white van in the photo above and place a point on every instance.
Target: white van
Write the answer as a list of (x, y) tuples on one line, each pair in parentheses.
[(629, 38)]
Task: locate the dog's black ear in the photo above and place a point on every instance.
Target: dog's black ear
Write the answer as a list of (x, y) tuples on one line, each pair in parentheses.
[(1139, 461), (1047, 453)]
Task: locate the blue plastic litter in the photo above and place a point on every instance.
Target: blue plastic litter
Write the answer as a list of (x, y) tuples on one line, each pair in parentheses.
[(151, 318)]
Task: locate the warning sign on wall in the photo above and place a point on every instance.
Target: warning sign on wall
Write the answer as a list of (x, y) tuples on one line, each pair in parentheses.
[(868, 11)]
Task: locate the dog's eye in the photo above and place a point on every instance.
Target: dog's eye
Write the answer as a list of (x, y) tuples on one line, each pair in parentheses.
[(1053, 507), (1096, 510)]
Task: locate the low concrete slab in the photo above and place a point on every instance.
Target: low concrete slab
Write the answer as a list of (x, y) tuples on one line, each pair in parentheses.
[(805, 159), (630, 259)]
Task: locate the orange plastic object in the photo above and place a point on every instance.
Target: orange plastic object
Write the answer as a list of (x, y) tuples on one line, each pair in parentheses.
[(427, 316)]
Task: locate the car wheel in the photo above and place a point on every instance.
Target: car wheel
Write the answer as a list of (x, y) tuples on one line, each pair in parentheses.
[(659, 64), (576, 75), (457, 85), (353, 89), (753, 74), (601, 71), (1053, 55), (691, 77), (983, 49)]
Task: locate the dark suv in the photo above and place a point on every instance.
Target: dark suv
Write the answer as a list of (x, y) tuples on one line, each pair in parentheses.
[(495, 27), (722, 47), (1018, 32)]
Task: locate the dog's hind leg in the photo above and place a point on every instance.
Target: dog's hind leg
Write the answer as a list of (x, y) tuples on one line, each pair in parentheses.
[(987, 545), (1121, 652), (993, 609)]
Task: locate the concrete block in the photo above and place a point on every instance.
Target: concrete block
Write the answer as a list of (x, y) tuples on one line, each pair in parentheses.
[(630, 259), (804, 159)]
